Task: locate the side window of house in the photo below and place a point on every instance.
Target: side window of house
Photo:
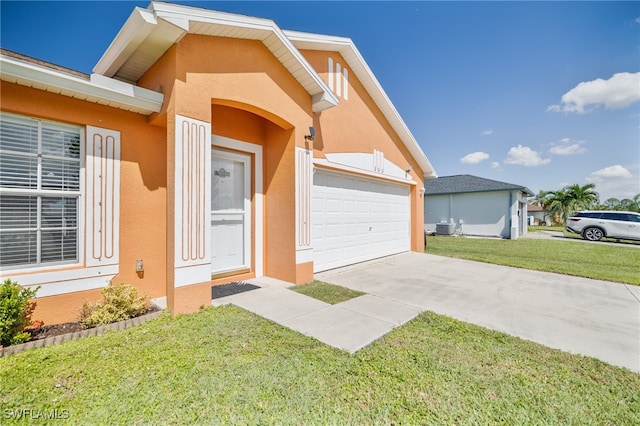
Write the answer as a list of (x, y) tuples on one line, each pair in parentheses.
[(40, 163)]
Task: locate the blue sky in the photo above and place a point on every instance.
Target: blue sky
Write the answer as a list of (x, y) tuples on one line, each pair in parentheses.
[(541, 94)]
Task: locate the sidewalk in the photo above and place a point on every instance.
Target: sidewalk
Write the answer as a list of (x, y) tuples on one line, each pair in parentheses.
[(349, 326)]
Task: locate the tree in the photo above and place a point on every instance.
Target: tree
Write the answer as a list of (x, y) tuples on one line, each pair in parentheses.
[(612, 203), (566, 201), (626, 204), (558, 207), (582, 197)]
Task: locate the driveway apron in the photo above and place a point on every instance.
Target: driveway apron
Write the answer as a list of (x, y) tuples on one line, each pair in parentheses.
[(579, 315)]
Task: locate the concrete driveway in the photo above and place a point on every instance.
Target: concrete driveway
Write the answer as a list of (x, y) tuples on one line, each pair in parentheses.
[(579, 315)]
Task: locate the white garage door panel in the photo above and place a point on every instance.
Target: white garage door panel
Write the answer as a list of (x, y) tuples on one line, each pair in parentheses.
[(357, 219)]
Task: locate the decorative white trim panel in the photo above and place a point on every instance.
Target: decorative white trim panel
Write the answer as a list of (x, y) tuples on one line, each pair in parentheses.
[(192, 275), (102, 197), (192, 202), (304, 178), (370, 162)]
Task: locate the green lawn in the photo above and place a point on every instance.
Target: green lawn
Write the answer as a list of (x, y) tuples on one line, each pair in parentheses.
[(325, 292), (227, 366), (617, 263)]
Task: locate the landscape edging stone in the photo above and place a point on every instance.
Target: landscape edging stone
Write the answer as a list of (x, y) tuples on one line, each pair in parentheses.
[(96, 331)]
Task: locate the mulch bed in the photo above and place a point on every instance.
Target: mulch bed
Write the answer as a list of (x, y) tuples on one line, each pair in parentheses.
[(68, 327), (58, 333)]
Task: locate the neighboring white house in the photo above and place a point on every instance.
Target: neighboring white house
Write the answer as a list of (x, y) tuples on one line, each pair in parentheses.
[(536, 214), (472, 205)]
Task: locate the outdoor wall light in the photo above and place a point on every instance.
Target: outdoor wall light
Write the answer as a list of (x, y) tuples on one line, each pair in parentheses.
[(139, 265), (421, 190), (311, 135), (409, 170)]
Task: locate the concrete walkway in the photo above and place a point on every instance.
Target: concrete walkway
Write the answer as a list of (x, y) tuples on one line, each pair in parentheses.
[(578, 315), (350, 325)]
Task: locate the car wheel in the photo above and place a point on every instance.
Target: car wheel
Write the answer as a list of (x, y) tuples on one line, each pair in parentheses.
[(593, 234)]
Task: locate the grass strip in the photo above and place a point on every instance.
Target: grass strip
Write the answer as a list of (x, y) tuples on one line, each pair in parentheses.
[(325, 292), (598, 261)]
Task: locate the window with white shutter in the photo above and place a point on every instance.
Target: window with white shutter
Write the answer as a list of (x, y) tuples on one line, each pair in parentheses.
[(40, 163)]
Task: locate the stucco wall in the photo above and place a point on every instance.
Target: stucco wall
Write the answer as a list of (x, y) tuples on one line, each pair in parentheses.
[(482, 213), (142, 196)]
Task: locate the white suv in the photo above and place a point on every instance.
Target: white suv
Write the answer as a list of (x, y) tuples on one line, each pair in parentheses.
[(595, 225)]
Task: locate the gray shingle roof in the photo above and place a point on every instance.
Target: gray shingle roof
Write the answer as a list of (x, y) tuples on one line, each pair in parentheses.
[(468, 183)]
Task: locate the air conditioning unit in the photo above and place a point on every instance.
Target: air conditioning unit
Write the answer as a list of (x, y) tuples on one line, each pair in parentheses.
[(444, 228)]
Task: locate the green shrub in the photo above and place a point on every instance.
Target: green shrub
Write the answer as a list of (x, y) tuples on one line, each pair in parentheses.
[(16, 308), (120, 302)]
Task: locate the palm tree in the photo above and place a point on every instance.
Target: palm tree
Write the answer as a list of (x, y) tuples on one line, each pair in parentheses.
[(558, 207), (542, 198), (582, 197)]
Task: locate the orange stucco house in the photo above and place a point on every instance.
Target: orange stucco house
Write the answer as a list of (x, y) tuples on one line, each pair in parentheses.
[(205, 148)]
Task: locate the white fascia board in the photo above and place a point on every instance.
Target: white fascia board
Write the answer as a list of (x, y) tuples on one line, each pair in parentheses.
[(103, 88), (136, 29), (322, 96), (128, 89), (349, 51)]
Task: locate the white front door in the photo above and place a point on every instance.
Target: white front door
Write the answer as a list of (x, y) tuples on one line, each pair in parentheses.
[(230, 211)]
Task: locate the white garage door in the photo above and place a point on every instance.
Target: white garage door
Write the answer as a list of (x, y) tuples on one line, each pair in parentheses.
[(356, 219)]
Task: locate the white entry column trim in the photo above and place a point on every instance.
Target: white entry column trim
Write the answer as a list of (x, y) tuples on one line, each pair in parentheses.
[(192, 201), (304, 179)]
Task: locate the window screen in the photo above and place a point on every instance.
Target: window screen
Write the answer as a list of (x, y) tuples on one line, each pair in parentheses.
[(39, 190)]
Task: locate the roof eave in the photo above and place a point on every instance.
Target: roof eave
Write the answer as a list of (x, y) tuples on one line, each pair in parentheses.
[(143, 22), (135, 30), (104, 90), (522, 189)]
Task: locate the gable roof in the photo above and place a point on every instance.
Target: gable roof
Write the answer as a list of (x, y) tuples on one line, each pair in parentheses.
[(347, 49), (467, 183), (149, 33)]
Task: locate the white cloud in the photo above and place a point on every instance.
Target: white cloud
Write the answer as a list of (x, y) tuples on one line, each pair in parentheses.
[(615, 182), (620, 91), (474, 157), (525, 156), (611, 172), (568, 146), (495, 164), (488, 132), (637, 21)]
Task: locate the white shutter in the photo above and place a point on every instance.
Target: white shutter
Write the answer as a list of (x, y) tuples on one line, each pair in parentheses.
[(102, 197)]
